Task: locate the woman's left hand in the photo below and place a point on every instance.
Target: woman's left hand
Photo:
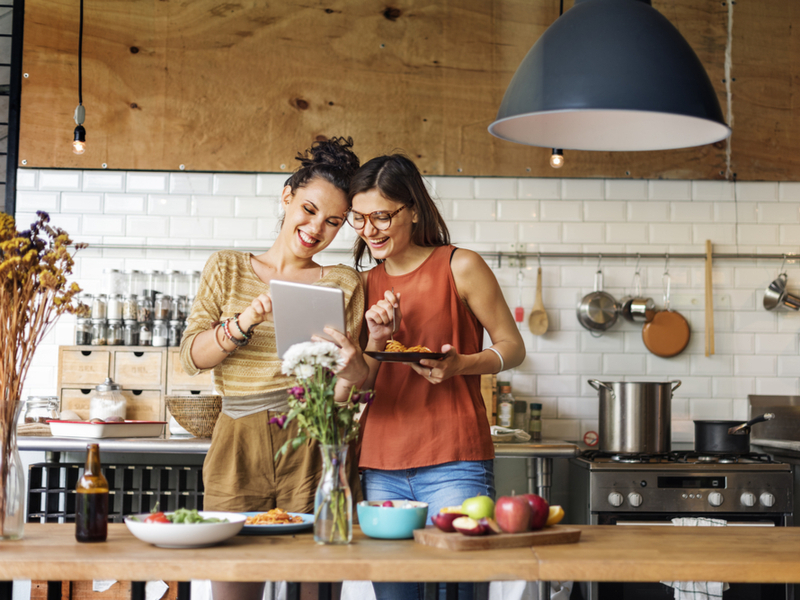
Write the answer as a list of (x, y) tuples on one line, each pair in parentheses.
[(437, 371), (355, 368)]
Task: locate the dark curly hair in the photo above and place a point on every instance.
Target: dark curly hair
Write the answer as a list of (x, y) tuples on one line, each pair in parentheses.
[(397, 178), (331, 159)]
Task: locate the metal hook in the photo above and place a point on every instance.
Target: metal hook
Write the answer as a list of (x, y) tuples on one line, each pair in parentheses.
[(539, 259), (666, 264), (599, 260), (783, 264), (638, 259)]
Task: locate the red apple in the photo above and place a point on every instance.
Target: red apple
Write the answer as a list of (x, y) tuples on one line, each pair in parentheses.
[(469, 526), (513, 514), (540, 510), (444, 521)]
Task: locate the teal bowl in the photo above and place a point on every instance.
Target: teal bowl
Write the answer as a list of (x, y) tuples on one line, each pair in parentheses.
[(396, 522)]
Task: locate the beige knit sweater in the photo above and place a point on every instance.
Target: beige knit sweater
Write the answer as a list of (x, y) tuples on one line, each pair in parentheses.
[(227, 287)]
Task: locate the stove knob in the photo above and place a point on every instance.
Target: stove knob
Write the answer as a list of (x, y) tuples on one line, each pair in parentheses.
[(767, 499), (748, 499), (715, 499), (615, 499), (634, 499)]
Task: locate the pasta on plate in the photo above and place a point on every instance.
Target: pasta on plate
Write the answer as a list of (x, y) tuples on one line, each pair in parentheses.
[(276, 516)]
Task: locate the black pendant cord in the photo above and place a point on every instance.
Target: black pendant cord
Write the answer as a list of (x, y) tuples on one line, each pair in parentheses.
[(80, 57)]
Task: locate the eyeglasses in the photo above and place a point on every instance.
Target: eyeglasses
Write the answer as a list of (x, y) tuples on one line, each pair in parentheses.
[(380, 219)]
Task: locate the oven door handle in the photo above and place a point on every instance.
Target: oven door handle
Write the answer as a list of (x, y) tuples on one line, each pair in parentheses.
[(670, 524)]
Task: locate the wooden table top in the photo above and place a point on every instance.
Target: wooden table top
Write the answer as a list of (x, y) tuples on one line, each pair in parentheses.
[(604, 553)]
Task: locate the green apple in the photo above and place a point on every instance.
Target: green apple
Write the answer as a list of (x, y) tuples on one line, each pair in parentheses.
[(479, 507)]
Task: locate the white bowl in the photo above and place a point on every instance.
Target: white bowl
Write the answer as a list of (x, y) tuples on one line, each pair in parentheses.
[(187, 535)]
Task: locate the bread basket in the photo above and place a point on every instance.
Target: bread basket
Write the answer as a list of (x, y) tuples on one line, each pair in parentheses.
[(196, 414)]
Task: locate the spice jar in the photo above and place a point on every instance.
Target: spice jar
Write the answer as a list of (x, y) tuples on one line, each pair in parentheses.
[(83, 331), (38, 409), (99, 306), (163, 307), (145, 333), (175, 332), (130, 309), (98, 332), (145, 309), (107, 401), (114, 333), (160, 333), (535, 426), (130, 333), (114, 307)]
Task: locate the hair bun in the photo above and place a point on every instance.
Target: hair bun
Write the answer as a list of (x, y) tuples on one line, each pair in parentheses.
[(334, 152)]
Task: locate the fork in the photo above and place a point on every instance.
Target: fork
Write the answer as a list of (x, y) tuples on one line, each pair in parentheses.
[(394, 319)]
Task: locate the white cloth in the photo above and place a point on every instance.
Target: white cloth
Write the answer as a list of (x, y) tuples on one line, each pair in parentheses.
[(697, 590), (153, 590), (504, 434)]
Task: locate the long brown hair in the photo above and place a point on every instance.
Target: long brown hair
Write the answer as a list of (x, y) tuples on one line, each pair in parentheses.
[(397, 178)]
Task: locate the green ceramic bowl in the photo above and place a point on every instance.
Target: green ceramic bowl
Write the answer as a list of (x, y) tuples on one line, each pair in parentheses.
[(395, 522)]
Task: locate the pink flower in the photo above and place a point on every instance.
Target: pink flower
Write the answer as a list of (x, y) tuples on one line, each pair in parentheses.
[(279, 421), (364, 397), (298, 392)]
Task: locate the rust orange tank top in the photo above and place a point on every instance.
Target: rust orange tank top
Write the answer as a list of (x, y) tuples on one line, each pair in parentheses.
[(413, 423)]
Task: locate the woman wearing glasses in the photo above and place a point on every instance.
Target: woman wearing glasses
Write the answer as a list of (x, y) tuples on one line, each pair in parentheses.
[(426, 436), (230, 330)]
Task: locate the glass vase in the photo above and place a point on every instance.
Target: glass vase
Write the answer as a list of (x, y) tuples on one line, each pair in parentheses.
[(12, 478), (333, 504)]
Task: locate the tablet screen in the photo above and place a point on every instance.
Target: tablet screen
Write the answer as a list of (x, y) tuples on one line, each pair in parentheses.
[(301, 311)]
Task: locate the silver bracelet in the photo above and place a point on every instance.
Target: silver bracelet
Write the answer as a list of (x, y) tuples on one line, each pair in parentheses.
[(500, 356)]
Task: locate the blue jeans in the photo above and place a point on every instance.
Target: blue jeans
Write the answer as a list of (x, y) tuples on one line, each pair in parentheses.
[(448, 484)]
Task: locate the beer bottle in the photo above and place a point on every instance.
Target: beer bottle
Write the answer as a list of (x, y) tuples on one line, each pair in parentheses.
[(91, 510)]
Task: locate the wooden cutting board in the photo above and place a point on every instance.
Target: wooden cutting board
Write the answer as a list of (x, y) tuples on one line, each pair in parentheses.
[(556, 534)]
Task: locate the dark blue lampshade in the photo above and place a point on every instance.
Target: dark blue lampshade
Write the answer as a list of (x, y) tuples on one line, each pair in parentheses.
[(611, 75)]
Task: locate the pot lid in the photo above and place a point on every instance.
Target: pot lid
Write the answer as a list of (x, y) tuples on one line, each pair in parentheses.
[(108, 385)]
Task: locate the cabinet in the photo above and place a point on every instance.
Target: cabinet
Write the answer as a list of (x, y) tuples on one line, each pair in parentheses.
[(146, 375)]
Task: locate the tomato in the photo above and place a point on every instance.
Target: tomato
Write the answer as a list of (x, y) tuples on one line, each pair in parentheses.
[(157, 517)]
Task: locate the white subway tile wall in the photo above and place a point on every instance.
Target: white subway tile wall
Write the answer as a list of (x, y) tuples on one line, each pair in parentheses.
[(756, 350)]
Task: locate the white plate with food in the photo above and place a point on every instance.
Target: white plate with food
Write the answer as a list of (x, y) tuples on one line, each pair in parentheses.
[(114, 429), (260, 523), (201, 529)]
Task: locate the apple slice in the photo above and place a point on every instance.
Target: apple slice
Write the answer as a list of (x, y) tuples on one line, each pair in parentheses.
[(444, 521), (490, 525), (469, 526)]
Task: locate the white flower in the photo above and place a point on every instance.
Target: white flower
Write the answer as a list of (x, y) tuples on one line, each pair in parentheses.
[(304, 371), (310, 354)]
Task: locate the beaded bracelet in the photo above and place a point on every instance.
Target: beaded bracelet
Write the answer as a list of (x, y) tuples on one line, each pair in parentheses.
[(219, 345), (229, 335), (239, 327)]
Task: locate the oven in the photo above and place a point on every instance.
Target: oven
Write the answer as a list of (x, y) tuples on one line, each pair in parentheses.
[(743, 490)]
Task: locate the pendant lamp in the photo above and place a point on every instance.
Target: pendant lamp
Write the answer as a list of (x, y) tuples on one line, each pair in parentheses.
[(611, 75)]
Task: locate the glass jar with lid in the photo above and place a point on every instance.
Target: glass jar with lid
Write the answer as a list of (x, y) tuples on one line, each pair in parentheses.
[(83, 331), (145, 333), (178, 308), (130, 309), (144, 309), (148, 285), (98, 332), (107, 401), (114, 307), (175, 332), (162, 307), (113, 282), (99, 306), (130, 332), (114, 333), (38, 409), (160, 333), (133, 281)]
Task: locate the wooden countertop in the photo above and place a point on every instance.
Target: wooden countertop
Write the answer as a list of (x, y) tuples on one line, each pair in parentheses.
[(605, 553)]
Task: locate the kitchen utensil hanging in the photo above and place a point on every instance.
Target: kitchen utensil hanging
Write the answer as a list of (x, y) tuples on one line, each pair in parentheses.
[(598, 310), (636, 308), (537, 320), (776, 295), (709, 303), (668, 333)]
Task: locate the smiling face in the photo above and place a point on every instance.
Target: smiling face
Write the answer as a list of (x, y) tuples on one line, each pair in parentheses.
[(389, 242), (314, 215)]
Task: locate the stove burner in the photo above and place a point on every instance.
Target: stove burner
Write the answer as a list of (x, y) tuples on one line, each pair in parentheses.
[(677, 456)]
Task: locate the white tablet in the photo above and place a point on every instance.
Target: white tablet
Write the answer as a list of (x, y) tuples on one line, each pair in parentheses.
[(302, 310)]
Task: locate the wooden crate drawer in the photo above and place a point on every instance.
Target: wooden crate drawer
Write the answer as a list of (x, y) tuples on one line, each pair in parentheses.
[(138, 370), (79, 367), (141, 405), (178, 379)]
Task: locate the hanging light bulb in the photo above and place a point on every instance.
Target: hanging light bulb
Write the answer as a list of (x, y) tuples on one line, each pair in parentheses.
[(557, 159), (79, 141)]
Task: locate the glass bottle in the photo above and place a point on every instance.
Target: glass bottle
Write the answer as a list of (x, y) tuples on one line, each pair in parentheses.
[(333, 502), (160, 333), (505, 405), (535, 426), (175, 332), (114, 335), (98, 332), (91, 506), (145, 333), (520, 415), (83, 331), (130, 332)]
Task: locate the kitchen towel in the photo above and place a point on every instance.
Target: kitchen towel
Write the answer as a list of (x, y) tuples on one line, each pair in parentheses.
[(698, 590), (504, 434)]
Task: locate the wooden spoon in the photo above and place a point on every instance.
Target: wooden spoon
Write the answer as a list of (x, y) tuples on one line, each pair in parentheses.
[(537, 320)]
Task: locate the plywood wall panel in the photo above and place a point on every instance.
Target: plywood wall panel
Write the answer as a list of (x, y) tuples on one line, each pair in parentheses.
[(242, 86)]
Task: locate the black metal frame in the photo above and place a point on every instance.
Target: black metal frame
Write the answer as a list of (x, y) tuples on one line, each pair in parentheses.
[(14, 102)]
